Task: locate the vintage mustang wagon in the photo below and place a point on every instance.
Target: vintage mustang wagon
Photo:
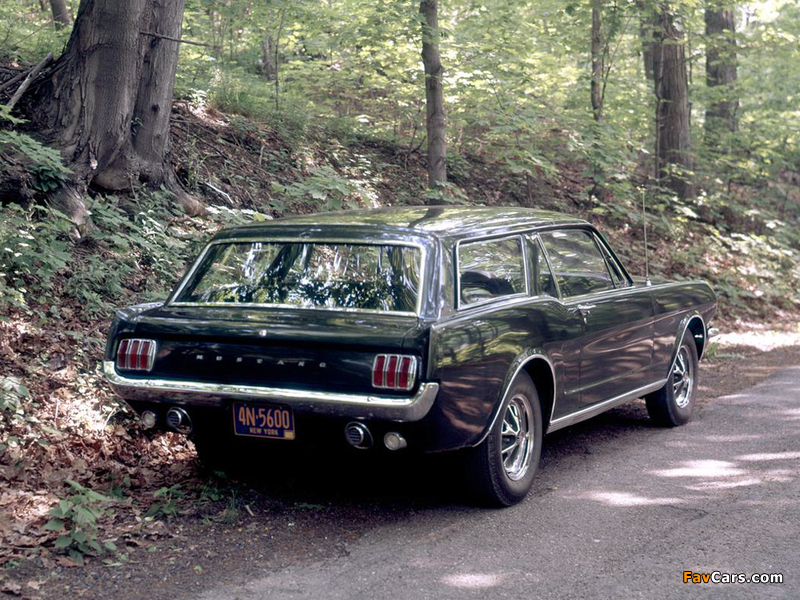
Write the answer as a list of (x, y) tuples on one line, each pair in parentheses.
[(432, 329)]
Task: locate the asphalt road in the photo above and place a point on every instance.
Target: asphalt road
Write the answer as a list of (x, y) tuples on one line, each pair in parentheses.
[(619, 509)]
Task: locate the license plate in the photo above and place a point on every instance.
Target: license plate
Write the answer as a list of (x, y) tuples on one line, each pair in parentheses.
[(263, 420)]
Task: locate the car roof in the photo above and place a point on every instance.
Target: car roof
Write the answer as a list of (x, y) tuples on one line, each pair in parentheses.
[(438, 221)]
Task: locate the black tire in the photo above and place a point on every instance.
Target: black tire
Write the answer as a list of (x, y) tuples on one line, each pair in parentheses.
[(673, 404), (502, 483)]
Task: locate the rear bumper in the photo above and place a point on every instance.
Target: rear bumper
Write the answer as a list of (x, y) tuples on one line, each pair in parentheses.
[(197, 393)]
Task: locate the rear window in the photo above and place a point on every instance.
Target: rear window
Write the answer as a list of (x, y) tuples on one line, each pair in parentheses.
[(307, 275)]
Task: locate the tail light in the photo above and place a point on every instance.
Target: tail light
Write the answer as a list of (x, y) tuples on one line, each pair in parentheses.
[(394, 371), (136, 355)]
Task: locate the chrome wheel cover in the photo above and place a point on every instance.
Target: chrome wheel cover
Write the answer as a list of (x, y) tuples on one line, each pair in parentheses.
[(682, 378), (517, 437)]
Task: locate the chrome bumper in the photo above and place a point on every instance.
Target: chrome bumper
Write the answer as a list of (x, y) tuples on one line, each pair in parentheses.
[(199, 393)]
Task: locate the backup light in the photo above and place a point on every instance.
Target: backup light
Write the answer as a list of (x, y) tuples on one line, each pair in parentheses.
[(136, 355), (394, 371)]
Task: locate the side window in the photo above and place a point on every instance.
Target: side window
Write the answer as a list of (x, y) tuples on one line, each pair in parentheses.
[(616, 273), (490, 269), (544, 284), (578, 264)]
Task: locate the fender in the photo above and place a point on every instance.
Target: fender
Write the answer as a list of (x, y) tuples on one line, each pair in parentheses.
[(682, 328), (516, 366)]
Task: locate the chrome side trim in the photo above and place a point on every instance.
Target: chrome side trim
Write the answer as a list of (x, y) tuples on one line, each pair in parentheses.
[(392, 408), (537, 354), (600, 407)]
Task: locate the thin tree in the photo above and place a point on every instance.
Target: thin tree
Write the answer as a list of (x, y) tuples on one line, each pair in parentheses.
[(721, 70), (61, 16), (598, 66), (106, 104), (434, 94)]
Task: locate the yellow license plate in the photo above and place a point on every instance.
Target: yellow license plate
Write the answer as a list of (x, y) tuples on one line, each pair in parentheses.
[(263, 420)]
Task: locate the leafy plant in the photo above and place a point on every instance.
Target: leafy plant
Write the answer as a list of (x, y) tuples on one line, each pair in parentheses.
[(34, 247), (43, 162), (76, 519), (325, 188), (12, 395), (167, 500)]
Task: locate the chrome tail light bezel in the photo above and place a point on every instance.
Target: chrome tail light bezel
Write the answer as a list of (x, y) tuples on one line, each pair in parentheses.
[(394, 372), (136, 354)]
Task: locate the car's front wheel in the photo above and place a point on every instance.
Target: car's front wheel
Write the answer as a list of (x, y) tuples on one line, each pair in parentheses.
[(501, 469), (673, 404)]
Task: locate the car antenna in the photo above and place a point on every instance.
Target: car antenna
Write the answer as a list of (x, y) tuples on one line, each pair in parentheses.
[(644, 225)]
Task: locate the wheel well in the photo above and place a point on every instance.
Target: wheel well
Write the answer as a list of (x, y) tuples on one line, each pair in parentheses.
[(698, 331), (542, 376)]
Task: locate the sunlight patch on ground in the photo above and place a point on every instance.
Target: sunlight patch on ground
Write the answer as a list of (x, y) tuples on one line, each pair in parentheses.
[(793, 414), (473, 581), (763, 340), (769, 456), (733, 438), (626, 499), (724, 485), (702, 468)]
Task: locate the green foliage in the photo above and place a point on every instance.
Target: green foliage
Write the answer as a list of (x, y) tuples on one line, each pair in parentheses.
[(13, 394), (76, 519), (34, 248), (167, 501), (325, 188), (41, 161)]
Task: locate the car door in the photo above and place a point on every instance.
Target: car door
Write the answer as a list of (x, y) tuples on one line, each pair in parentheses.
[(617, 344)]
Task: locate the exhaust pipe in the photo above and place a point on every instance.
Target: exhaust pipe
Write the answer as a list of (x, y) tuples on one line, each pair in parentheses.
[(179, 420), (358, 435)]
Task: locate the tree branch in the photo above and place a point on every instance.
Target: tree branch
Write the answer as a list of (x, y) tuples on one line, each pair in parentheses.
[(172, 39), (29, 79)]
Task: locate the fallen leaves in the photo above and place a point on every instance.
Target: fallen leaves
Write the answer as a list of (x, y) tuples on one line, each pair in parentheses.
[(72, 428)]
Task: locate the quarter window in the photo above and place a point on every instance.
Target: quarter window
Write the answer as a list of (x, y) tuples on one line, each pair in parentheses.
[(613, 267), (490, 269), (577, 261), (542, 277)]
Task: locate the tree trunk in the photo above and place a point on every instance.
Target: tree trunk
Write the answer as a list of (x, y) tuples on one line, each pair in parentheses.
[(267, 61), (721, 71), (674, 161), (434, 94), (107, 103), (61, 16), (147, 154), (597, 61)]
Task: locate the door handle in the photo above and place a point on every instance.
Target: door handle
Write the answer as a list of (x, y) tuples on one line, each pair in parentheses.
[(586, 307)]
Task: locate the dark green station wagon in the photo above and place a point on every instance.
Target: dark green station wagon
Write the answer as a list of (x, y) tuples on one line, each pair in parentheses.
[(429, 329)]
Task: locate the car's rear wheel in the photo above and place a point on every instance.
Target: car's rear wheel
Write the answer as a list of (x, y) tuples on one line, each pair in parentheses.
[(501, 469), (673, 404)]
